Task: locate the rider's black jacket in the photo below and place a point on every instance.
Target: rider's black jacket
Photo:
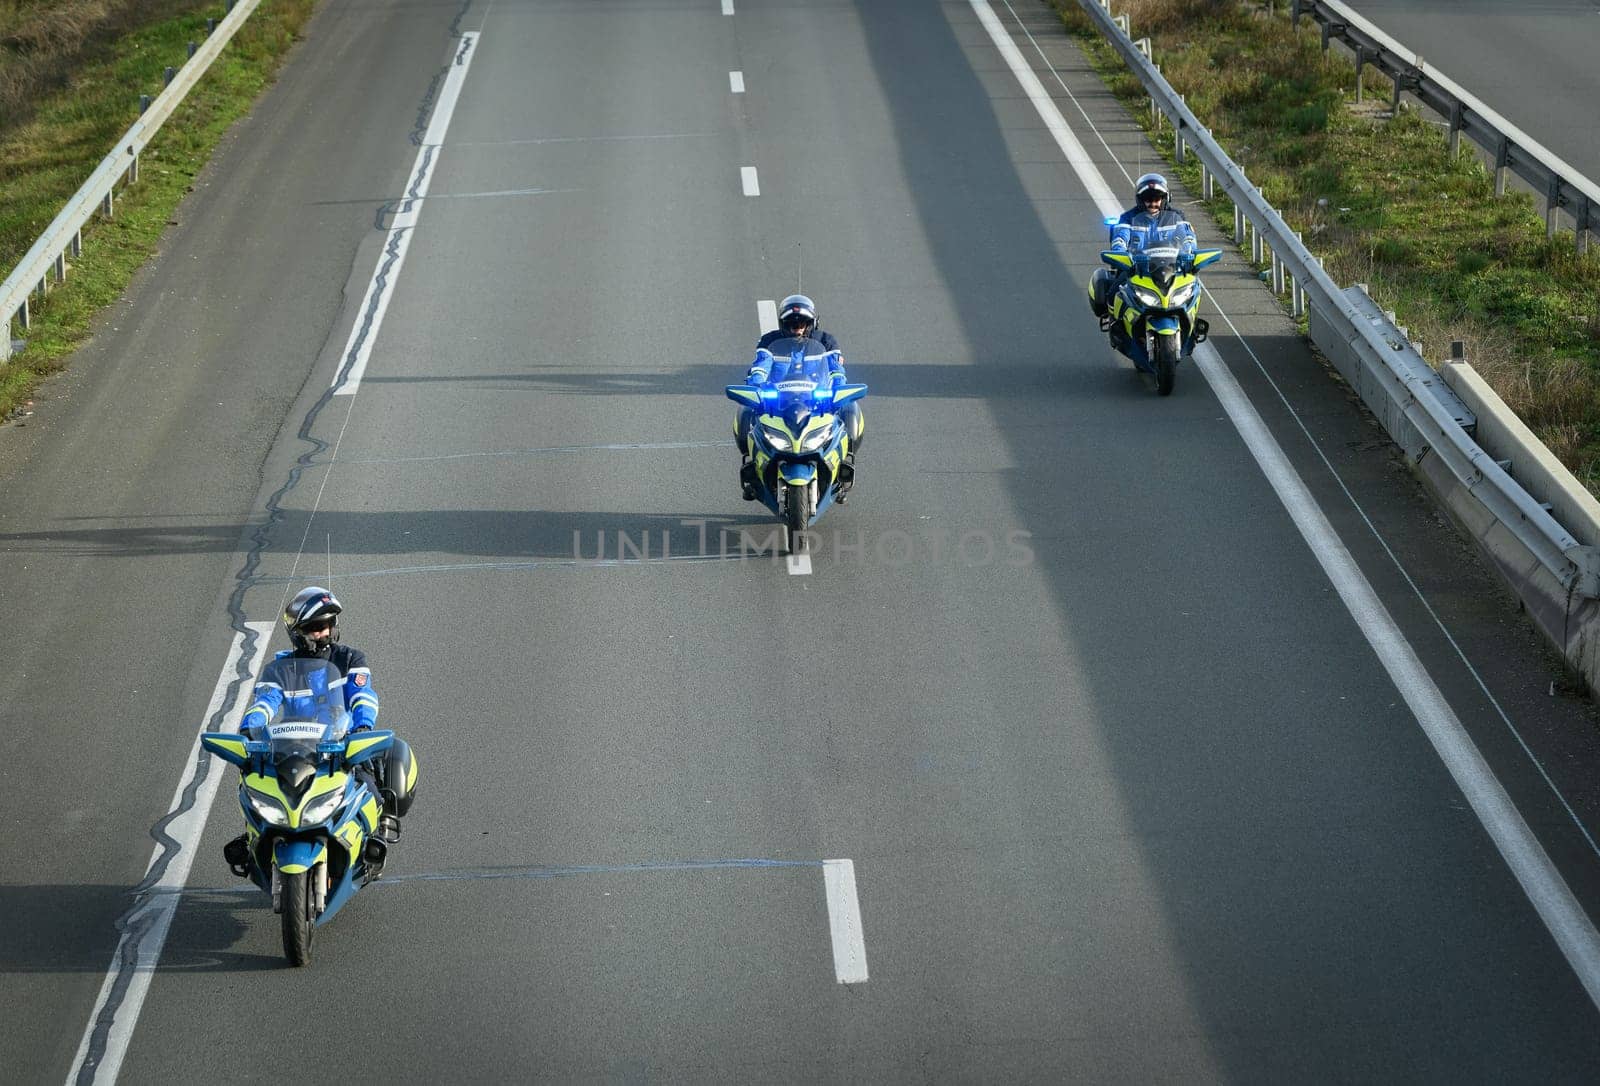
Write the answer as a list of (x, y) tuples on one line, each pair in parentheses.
[(827, 340)]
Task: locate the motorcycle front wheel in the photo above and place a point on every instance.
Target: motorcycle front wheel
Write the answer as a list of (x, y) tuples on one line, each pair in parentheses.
[(1166, 359), (796, 515), (298, 923)]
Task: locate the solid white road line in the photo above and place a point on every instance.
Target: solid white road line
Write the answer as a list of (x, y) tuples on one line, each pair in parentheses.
[(844, 921), (1574, 932), (736, 82), (161, 901), (727, 7), (767, 315), (747, 175), (369, 318)]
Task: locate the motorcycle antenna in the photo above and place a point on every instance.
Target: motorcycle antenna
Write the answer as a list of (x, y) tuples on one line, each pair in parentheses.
[(329, 537), (800, 267)]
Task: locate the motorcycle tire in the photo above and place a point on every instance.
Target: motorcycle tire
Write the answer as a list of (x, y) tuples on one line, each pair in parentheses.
[(796, 516), (1166, 359), (297, 919)]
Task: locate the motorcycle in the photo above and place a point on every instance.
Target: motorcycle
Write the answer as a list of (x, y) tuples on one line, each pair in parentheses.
[(1153, 318), (313, 835), (797, 437)]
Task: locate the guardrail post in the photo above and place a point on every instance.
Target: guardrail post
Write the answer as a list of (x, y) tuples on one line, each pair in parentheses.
[(133, 171), (58, 267), (192, 48), (1585, 221), (1294, 14), (1120, 20), (1361, 62), (5, 339), (144, 103), (1256, 249), (1394, 104), (105, 206), (1456, 121), (25, 314), (167, 75), (77, 243), (1277, 275), (1208, 183), (1502, 166), (1238, 225), (211, 24), (1552, 204)]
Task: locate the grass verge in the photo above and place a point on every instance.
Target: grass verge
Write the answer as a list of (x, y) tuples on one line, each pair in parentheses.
[(44, 159), (1378, 198)]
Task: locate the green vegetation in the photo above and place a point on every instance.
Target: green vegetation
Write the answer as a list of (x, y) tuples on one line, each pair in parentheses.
[(71, 72), (1378, 198)]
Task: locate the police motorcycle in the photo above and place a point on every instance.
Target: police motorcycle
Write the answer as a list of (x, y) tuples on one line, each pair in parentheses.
[(798, 440), (1153, 318), (313, 824)]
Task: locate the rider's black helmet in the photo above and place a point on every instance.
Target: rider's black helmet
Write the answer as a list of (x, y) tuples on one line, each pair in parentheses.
[(311, 606), (797, 314), (1150, 183)]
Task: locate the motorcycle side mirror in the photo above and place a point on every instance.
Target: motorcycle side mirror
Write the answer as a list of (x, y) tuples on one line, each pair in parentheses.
[(227, 746), (364, 746), (748, 395), (1122, 260), (847, 393), (1205, 256)]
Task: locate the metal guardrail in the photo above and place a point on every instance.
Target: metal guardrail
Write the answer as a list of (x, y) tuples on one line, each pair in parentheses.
[(46, 261), (1513, 151), (1398, 384)]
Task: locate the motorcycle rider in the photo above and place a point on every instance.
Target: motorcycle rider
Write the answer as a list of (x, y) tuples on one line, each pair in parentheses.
[(1150, 216), (312, 622), (797, 319)]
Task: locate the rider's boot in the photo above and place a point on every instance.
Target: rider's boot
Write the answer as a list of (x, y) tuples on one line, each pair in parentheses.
[(748, 480), (237, 854)]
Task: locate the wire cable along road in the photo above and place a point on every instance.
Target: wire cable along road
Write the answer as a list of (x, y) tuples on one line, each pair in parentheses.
[(1084, 747)]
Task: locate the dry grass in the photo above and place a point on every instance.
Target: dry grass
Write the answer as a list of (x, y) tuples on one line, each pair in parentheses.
[(42, 42)]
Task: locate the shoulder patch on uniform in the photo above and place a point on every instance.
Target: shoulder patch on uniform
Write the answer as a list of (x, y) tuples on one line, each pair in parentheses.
[(359, 678)]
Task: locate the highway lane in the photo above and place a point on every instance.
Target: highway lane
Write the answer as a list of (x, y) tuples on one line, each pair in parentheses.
[(128, 498), (1141, 806), (1532, 62)]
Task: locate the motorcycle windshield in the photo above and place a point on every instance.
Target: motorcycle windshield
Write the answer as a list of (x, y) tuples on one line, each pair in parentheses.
[(1160, 264), (313, 704), (795, 360)]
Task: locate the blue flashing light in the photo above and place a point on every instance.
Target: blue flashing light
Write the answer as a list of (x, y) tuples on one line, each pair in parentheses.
[(1110, 220)]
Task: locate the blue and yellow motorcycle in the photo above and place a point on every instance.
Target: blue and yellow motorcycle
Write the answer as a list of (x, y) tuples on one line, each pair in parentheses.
[(1154, 319), (312, 813), (797, 437)]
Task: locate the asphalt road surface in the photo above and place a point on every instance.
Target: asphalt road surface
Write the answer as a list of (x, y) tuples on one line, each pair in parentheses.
[(1126, 792), (1531, 61)]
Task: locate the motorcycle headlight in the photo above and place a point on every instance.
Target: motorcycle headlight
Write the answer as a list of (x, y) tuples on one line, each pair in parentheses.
[(1182, 295), (269, 809), (322, 808), (1146, 297), (816, 439), (777, 438)]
